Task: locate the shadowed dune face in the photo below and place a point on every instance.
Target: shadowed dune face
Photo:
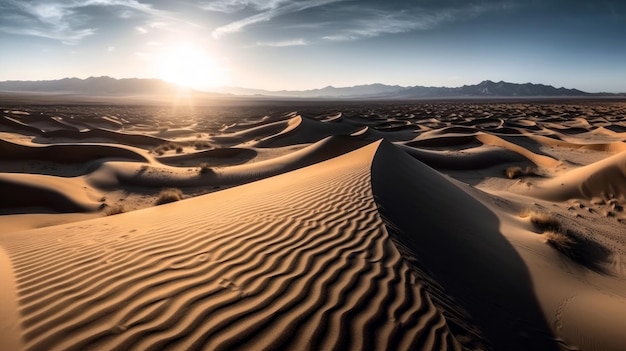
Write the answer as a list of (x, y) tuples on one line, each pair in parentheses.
[(455, 240), (308, 225)]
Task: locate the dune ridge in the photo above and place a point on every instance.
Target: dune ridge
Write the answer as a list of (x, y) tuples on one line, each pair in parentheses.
[(484, 270), (34, 190)]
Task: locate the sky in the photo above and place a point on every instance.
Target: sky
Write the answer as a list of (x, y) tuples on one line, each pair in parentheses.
[(307, 44)]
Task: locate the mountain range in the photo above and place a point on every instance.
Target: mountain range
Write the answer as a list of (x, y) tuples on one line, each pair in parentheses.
[(134, 86), (91, 86)]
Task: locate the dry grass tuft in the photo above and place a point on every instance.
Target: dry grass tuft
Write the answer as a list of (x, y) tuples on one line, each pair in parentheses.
[(111, 210), (515, 172), (545, 222), (163, 148), (588, 253), (561, 241), (202, 144), (169, 195), (205, 168)]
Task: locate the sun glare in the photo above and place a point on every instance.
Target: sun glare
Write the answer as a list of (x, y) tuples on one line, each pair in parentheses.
[(190, 67)]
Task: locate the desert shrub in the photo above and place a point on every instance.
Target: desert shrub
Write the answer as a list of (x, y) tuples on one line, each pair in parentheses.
[(588, 253), (169, 195), (205, 168), (111, 210), (515, 172), (561, 241), (161, 149), (201, 144), (545, 222), (179, 149)]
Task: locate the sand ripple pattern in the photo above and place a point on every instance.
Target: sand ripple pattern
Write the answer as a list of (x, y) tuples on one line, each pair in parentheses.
[(307, 267)]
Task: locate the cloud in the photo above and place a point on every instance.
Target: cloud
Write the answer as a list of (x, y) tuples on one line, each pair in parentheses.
[(283, 43), (111, 48), (66, 37), (382, 23), (44, 19), (369, 23), (232, 6), (343, 20), (129, 4), (271, 9), (66, 21)]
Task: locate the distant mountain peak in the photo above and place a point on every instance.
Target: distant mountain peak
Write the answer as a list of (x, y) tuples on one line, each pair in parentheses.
[(104, 85)]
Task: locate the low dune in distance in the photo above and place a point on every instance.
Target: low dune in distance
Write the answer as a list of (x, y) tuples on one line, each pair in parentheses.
[(314, 225)]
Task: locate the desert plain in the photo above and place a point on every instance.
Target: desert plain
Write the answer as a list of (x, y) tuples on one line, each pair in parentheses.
[(322, 225)]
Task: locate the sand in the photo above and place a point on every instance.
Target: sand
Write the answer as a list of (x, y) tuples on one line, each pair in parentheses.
[(314, 225)]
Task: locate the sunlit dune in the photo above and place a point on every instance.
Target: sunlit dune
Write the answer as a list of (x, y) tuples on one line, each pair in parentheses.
[(423, 226)]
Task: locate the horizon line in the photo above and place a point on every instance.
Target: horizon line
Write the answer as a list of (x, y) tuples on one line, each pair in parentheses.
[(214, 89)]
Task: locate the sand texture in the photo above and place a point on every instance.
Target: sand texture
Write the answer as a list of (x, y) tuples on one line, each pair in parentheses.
[(321, 226)]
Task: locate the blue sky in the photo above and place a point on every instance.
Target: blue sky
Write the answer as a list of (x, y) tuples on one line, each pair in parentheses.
[(305, 44)]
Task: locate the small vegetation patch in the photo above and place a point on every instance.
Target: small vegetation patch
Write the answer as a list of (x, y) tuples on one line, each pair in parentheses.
[(545, 222), (169, 195), (111, 210), (515, 172), (588, 253), (163, 148), (205, 168), (560, 241), (202, 144)]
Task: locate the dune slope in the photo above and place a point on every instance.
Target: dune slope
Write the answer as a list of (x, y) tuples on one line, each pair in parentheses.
[(297, 261)]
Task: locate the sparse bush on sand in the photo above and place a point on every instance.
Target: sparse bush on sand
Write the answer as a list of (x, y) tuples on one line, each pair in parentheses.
[(169, 195), (545, 222), (111, 210), (201, 144), (562, 242), (205, 168), (161, 149), (515, 172), (583, 251)]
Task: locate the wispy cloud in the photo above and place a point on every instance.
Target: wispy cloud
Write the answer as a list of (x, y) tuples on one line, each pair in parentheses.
[(65, 21), (347, 20), (43, 19), (271, 9), (369, 23), (282, 43), (232, 6), (69, 37), (380, 23)]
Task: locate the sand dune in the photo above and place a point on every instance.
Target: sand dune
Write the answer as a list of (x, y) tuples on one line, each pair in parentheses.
[(605, 179), (52, 193), (68, 153), (474, 158), (283, 276), (425, 226)]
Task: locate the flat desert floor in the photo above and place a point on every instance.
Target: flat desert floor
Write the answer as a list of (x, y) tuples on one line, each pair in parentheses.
[(449, 225)]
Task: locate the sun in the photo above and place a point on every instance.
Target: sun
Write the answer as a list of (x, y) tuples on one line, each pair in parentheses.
[(190, 67)]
